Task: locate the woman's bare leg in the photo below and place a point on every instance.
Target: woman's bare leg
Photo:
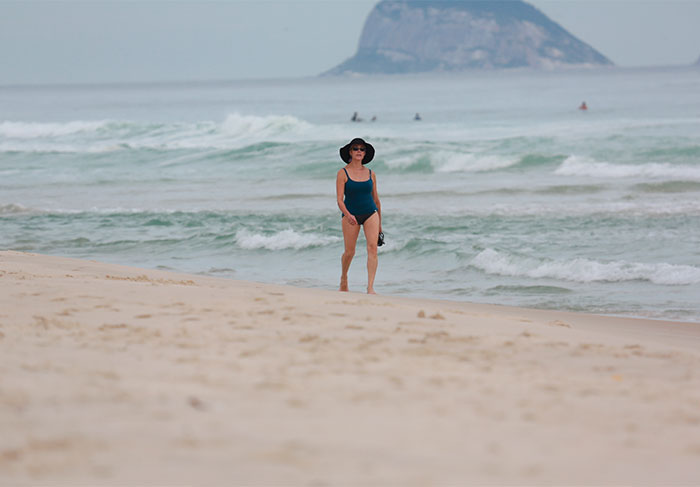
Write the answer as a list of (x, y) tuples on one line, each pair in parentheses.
[(350, 234), (371, 234)]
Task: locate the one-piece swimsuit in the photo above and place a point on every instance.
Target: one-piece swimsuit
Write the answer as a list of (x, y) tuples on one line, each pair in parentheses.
[(358, 198)]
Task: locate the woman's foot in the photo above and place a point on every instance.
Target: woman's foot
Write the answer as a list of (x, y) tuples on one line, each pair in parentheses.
[(370, 291), (343, 284)]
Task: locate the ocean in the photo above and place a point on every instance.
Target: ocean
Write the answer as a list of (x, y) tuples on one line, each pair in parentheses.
[(505, 192)]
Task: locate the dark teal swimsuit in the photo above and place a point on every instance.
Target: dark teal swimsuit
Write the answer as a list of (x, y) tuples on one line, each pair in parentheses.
[(358, 198)]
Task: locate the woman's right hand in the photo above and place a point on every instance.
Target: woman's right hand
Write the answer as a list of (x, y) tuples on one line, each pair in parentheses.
[(351, 219)]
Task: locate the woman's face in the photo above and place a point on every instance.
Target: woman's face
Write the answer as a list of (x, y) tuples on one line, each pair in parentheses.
[(357, 152)]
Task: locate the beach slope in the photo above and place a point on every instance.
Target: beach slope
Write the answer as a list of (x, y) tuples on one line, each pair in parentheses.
[(112, 375)]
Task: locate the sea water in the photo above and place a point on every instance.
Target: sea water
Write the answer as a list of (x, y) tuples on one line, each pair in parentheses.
[(505, 192)]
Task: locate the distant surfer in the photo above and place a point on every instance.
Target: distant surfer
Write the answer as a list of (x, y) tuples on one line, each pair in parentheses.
[(356, 194), (417, 117), (583, 106), (355, 117)]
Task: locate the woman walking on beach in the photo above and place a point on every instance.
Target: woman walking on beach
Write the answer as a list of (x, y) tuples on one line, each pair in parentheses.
[(356, 192)]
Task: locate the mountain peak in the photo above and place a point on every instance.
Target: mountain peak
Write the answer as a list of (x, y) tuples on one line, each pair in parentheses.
[(404, 36)]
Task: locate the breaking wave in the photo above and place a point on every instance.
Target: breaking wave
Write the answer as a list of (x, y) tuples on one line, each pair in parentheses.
[(79, 136), (32, 130), (286, 239), (584, 270), (579, 166), (15, 209)]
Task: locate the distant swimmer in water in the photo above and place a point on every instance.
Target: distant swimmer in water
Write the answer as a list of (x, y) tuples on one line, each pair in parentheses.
[(417, 117), (374, 118), (583, 106), (355, 117)]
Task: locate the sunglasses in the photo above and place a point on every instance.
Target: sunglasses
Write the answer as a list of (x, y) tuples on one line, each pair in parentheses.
[(360, 149)]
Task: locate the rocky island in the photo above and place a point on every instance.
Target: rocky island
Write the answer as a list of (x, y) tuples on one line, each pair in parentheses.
[(411, 36)]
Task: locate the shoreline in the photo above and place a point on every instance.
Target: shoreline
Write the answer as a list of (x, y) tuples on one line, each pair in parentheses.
[(112, 374)]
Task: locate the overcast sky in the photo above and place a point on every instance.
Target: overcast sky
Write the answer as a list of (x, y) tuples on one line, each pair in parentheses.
[(122, 40)]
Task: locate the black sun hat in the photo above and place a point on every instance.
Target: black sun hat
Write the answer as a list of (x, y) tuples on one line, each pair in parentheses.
[(345, 151)]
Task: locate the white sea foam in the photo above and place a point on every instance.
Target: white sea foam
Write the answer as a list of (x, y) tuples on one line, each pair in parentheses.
[(584, 270), (581, 166), (445, 161), (32, 130), (234, 131), (15, 209), (286, 239), (250, 126), (43, 147)]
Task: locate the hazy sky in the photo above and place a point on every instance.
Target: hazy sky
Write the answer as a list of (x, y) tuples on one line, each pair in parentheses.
[(122, 40)]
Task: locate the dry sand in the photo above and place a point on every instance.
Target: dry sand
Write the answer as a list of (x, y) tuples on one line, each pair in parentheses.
[(112, 375)]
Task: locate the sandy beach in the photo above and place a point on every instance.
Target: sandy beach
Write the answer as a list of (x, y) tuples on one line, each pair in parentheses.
[(112, 375)]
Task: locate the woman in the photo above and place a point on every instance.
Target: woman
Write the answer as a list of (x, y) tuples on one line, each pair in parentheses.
[(356, 192)]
